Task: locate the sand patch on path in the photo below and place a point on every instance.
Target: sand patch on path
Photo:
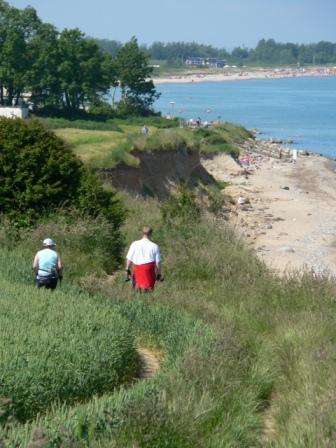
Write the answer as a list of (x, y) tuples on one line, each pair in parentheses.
[(150, 363)]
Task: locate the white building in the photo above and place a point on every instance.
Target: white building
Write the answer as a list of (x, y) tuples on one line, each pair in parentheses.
[(14, 112)]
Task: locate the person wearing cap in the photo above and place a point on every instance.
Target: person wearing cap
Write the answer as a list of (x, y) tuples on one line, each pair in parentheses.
[(47, 265), (143, 262)]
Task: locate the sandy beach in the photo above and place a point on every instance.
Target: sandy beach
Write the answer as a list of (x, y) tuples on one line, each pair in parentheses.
[(289, 213), (241, 75)]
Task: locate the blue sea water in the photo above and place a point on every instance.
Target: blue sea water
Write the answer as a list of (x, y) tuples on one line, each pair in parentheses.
[(302, 109)]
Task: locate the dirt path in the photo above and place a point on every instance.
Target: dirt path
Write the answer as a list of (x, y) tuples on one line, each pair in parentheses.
[(149, 363), (290, 214), (268, 421)]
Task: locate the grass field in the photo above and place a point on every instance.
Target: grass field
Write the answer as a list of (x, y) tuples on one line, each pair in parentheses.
[(107, 148), (59, 349), (247, 359)]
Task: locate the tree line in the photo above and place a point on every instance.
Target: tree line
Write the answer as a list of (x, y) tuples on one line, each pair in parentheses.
[(65, 70), (267, 52)]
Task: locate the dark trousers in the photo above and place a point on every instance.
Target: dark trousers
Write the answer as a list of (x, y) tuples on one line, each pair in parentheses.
[(47, 282)]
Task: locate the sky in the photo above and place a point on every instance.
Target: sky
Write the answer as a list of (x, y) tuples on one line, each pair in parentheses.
[(223, 23)]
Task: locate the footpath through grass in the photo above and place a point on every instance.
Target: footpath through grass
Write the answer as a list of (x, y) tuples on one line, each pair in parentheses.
[(239, 348)]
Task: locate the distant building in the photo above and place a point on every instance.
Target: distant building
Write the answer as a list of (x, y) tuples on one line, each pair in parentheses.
[(14, 112), (215, 62), (205, 62), (195, 61)]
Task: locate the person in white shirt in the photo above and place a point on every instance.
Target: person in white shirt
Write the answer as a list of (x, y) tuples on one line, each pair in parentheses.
[(143, 262)]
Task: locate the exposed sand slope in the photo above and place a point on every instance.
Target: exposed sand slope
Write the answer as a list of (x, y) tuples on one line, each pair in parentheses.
[(290, 229)]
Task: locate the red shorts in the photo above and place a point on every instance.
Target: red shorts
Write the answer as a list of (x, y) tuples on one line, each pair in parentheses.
[(144, 276)]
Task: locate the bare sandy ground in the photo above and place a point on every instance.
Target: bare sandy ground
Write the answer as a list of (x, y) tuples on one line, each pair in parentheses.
[(241, 75), (291, 229)]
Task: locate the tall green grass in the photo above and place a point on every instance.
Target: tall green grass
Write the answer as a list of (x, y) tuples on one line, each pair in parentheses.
[(115, 124), (93, 125), (59, 348), (242, 351), (86, 245)]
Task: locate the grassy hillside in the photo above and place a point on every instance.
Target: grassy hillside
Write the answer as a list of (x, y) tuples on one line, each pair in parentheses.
[(246, 357), (49, 353), (104, 145)]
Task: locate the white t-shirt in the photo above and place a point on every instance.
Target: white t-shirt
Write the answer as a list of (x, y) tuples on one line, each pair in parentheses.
[(144, 251)]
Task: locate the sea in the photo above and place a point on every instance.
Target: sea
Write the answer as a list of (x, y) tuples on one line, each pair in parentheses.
[(298, 109)]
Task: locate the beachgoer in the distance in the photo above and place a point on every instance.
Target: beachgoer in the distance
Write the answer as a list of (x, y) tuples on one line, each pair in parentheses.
[(143, 262), (47, 266), (144, 130), (294, 155)]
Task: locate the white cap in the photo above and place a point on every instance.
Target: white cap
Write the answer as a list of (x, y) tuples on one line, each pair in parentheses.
[(48, 242)]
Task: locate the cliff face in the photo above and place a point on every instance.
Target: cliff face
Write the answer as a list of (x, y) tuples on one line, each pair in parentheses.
[(158, 172)]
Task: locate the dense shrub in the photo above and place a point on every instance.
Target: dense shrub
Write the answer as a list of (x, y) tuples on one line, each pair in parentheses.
[(60, 348), (39, 173), (94, 200)]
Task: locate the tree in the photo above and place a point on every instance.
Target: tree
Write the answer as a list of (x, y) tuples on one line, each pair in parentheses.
[(240, 54), (110, 46), (138, 92), (42, 79), (17, 29), (83, 79), (324, 52)]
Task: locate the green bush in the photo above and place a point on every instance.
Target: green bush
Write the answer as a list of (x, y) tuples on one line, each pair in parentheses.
[(37, 171), (39, 174), (94, 200), (59, 348)]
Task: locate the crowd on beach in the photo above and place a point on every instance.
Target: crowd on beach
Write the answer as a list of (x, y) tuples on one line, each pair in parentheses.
[(235, 74)]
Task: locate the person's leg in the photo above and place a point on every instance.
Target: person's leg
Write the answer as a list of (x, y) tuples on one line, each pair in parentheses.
[(52, 284)]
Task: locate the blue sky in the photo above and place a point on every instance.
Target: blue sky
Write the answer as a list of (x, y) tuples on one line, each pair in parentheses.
[(224, 23)]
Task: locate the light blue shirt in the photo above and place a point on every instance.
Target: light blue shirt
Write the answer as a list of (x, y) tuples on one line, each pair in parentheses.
[(47, 262)]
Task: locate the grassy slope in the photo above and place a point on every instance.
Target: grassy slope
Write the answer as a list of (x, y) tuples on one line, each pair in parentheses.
[(240, 348), (105, 148), (48, 350)]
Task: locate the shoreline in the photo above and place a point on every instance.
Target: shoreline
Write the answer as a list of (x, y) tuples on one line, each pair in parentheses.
[(245, 75), (285, 211)]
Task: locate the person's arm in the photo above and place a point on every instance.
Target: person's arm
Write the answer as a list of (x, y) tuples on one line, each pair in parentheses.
[(59, 265), (158, 264), (129, 262), (36, 263)]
